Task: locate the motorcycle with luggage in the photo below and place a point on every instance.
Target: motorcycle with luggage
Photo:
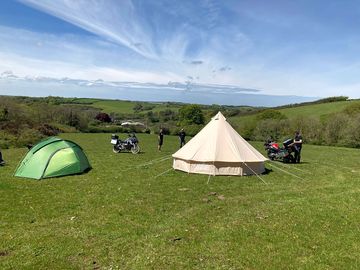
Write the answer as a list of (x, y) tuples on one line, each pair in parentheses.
[(131, 144), (284, 153)]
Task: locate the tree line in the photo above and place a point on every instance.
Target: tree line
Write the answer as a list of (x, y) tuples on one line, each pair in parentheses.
[(25, 120), (334, 129)]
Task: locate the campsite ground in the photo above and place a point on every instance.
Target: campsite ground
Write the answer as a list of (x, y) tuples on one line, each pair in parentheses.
[(126, 214)]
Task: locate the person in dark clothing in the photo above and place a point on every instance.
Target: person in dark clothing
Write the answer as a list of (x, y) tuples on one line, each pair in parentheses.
[(182, 136), (297, 146), (2, 162), (160, 139)]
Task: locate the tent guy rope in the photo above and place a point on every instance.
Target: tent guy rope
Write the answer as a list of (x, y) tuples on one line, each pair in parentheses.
[(291, 167), (294, 175), (255, 174), (151, 162), (160, 174)]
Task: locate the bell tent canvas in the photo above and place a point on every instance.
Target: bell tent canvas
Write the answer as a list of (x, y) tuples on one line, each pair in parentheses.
[(53, 157), (219, 150)]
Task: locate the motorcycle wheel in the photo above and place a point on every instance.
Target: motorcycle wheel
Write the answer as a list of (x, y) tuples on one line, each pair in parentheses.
[(116, 150), (135, 149)]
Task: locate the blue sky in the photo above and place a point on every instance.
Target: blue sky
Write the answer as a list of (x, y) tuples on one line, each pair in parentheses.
[(302, 48)]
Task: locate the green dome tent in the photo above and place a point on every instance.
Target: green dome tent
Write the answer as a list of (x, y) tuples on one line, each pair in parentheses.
[(53, 157)]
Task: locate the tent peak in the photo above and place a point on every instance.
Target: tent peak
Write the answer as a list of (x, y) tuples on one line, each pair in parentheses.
[(219, 116)]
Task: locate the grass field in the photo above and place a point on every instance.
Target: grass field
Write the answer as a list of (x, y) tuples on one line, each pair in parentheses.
[(126, 214), (114, 106), (312, 110), (317, 109)]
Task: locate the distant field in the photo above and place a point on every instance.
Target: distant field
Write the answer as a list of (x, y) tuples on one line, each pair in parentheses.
[(115, 106), (130, 212), (124, 106), (120, 106)]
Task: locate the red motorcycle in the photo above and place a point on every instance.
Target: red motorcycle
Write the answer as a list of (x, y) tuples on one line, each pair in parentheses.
[(284, 154)]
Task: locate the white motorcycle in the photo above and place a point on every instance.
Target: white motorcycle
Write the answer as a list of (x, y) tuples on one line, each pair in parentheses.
[(130, 144)]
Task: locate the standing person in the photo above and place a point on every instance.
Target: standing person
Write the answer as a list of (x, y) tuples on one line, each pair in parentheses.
[(160, 138), (2, 162), (297, 146), (182, 136)]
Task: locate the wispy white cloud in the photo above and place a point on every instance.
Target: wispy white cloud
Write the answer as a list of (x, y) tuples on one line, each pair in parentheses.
[(9, 75), (176, 30), (118, 21), (38, 54), (206, 41), (58, 69)]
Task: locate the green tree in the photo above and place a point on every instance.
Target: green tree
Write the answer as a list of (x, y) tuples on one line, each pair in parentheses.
[(191, 114), (270, 114)]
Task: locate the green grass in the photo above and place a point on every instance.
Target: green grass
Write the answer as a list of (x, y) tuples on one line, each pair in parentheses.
[(121, 216)]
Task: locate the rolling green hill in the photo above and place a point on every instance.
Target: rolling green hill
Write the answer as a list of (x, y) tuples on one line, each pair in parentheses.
[(317, 109), (307, 110), (127, 107)]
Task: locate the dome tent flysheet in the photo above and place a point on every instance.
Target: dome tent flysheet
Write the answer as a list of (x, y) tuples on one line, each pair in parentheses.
[(219, 150), (53, 157)]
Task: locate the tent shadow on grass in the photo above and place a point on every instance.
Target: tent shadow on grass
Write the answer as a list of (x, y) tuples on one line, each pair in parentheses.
[(267, 171)]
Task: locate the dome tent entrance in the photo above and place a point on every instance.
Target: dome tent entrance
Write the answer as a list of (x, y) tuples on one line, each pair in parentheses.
[(219, 150), (53, 157)]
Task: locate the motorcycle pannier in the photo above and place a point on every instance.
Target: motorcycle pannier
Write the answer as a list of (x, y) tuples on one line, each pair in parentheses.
[(288, 142)]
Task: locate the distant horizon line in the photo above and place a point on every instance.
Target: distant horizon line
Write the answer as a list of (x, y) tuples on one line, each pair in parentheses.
[(183, 92), (168, 101)]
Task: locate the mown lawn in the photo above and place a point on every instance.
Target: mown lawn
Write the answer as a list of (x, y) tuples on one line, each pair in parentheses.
[(126, 214)]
